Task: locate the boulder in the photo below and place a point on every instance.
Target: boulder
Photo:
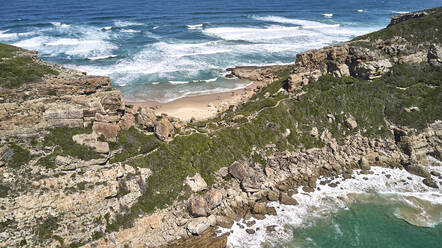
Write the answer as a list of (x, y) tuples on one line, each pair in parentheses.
[(65, 163), (224, 221), (146, 118), (287, 200), (239, 171), (163, 129), (417, 170), (198, 226), (272, 196), (196, 183), (351, 123), (198, 206), (127, 121), (108, 130), (213, 198), (260, 208), (430, 182), (364, 164)]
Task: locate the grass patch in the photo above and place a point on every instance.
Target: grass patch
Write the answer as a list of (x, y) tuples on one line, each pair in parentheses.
[(18, 70), (62, 138), (132, 142), (46, 228), (16, 156)]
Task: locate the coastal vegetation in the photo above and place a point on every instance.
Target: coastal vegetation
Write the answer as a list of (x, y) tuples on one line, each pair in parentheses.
[(18, 70)]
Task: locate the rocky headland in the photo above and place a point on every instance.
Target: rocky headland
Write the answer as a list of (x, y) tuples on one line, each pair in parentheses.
[(79, 167)]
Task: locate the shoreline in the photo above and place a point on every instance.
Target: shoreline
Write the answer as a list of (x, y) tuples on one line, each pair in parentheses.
[(200, 107)]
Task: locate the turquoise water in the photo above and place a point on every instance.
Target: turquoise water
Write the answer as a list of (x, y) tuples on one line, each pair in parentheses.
[(163, 50), (367, 224)]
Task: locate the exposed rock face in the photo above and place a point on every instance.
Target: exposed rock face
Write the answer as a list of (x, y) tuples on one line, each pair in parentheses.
[(198, 206), (198, 226), (108, 130), (163, 129), (196, 183), (435, 55), (146, 118), (239, 171), (91, 140), (403, 17)]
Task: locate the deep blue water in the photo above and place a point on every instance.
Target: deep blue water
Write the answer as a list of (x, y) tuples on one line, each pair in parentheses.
[(167, 49)]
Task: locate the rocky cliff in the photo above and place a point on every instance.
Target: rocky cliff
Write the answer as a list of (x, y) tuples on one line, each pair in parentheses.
[(80, 167)]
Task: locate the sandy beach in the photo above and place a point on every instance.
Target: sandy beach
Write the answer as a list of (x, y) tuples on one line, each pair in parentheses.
[(200, 107)]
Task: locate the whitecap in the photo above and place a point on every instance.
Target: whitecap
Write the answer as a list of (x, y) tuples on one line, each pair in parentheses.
[(400, 12), (106, 28), (130, 31), (196, 26), (102, 57), (155, 83), (59, 24), (360, 10), (155, 27), (179, 82), (7, 36), (300, 22), (328, 15), (211, 80), (120, 23)]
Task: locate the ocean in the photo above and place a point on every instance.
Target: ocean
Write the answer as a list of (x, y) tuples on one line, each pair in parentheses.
[(164, 50)]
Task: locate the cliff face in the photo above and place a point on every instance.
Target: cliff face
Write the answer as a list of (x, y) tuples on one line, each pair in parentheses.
[(80, 167)]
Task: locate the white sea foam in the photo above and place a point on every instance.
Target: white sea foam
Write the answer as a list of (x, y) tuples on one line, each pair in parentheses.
[(179, 82), (328, 15), (155, 27), (120, 23), (327, 200), (107, 28), (102, 57), (399, 12), (155, 83), (7, 36), (300, 22), (360, 10), (130, 31), (59, 24), (211, 80), (196, 26)]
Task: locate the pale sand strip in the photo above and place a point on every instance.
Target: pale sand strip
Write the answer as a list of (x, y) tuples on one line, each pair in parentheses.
[(200, 107)]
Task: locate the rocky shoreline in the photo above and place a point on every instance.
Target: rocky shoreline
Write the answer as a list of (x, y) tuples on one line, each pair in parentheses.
[(72, 152)]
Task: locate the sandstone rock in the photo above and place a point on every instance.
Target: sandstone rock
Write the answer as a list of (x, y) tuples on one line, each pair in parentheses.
[(212, 220), (314, 132), (260, 208), (312, 182), (239, 171), (435, 55), (65, 163), (198, 226), (308, 189), (163, 129), (430, 182), (146, 118), (287, 200), (416, 170), (250, 231), (112, 102), (435, 173), (224, 221), (364, 164), (91, 141), (196, 183), (213, 198), (198, 206), (127, 121), (371, 69), (108, 130), (223, 172), (272, 196), (351, 123)]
